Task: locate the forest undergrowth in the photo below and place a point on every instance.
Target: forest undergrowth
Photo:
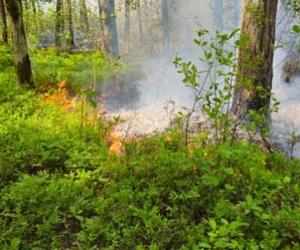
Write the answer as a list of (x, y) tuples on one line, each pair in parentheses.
[(61, 186)]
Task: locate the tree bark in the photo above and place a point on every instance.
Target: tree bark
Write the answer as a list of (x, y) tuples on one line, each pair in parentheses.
[(255, 64), (111, 23), (70, 28), (104, 37), (108, 27), (19, 41), (127, 20), (59, 23), (4, 33), (84, 16), (140, 22)]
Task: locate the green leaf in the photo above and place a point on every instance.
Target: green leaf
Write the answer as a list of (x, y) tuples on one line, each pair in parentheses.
[(296, 29)]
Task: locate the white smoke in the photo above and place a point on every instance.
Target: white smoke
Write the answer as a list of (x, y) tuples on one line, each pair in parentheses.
[(161, 83)]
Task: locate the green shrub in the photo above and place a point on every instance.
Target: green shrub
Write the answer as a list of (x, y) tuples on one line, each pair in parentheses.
[(78, 69), (50, 68), (35, 136), (157, 197), (7, 75), (60, 189)]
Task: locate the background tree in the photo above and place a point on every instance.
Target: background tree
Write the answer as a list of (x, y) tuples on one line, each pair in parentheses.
[(108, 27), (19, 41), (104, 37), (165, 24), (140, 22), (59, 23), (112, 27), (255, 65), (3, 22), (127, 19), (69, 22), (84, 21)]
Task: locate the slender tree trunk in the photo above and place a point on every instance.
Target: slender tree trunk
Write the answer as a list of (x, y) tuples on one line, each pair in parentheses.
[(108, 27), (70, 28), (112, 27), (19, 41), (59, 23), (219, 15), (255, 68), (84, 16), (127, 20), (3, 21), (165, 24), (104, 33), (140, 21)]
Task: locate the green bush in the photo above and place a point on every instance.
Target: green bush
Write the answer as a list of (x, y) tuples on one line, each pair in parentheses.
[(50, 68), (7, 75), (79, 69), (35, 136), (156, 197), (60, 189)]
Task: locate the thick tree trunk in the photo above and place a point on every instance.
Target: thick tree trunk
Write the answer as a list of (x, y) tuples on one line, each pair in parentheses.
[(255, 65), (83, 16), (165, 24), (127, 20), (4, 33), (59, 23), (70, 28), (20, 47), (219, 15)]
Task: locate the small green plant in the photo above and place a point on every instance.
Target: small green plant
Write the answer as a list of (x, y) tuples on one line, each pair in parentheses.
[(213, 82)]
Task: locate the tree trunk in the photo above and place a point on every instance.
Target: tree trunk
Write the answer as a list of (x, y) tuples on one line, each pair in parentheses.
[(70, 29), (3, 22), (112, 27), (218, 15), (108, 26), (104, 34), (165, 24), (19, 41), (140, 21), (255, 65), (127, 20), (84, 16), (59, 23)]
